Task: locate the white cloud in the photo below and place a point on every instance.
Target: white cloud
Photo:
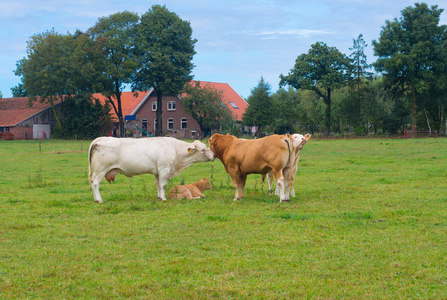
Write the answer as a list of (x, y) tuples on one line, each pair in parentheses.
[(297, 33)]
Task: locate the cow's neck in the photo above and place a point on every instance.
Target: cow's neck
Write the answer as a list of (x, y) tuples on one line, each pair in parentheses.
[(185, 159)]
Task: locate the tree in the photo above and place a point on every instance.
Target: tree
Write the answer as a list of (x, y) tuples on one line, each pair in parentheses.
[(312, 110), (321, 70), (259, 110), (359, 67), (1, 95), (286, 110), (408, 50), (57, 67), (84, 118), (165, 50), (206, 105), (116, 36), (19, 91)]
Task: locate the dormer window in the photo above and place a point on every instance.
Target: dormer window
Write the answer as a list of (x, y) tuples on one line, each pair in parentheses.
[(233, 105)]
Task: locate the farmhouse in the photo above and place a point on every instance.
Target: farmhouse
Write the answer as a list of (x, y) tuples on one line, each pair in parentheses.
[(139, 111)]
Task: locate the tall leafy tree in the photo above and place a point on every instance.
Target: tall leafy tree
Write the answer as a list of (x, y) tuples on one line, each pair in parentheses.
[(321, 70), (408, 52), (259, 110), (165, 50), (312, 110), (57, 67), (116, 36), (206, 105), (359, 69), (286, 110)]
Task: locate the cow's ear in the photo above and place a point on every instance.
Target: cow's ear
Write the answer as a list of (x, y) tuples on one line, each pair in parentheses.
[(307, 136), (191, 148)]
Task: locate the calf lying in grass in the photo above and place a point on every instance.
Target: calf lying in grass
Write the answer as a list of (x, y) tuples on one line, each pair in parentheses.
[(190, 191)]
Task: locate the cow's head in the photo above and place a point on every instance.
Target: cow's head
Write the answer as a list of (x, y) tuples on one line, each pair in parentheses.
[(219, 143), (203, 153), (206, 184), (300, 140), (212, 141)]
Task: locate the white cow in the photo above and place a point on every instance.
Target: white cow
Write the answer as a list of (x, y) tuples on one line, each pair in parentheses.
[(164, 157), (298, 141)]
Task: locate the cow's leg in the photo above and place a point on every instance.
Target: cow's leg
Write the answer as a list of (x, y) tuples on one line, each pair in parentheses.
[(277, 190), (161, 184), (236, 186), (157, 182), (270, 180), (95, 180), (292, 182), (233, 171), (242, 181), (287, 178), (280, 183)]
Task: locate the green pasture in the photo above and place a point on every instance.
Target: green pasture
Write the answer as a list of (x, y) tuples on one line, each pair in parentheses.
[(369, 222)]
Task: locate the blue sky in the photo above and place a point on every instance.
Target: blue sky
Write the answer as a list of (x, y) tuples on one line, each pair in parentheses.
[(238, 41)]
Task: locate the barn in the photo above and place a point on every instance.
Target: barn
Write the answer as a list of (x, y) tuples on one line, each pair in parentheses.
[(21, 121)]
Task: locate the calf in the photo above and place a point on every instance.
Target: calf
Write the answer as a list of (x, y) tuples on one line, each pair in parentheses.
[(241, 157), (190, 191), (164, 157), (298, 141)]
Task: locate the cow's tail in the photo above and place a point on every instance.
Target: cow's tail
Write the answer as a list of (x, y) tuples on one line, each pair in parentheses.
[(291, 148), (90, 156)]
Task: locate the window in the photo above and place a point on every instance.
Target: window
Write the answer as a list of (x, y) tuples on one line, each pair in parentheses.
[(170, 124), (184, 123), (154, 106), (234, 105), (171, 105)]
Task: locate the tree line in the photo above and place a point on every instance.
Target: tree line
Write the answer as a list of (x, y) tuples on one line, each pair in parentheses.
[(329, 91), (325, 91)]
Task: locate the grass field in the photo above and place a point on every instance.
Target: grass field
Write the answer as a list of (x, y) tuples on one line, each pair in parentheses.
[(369, 222)]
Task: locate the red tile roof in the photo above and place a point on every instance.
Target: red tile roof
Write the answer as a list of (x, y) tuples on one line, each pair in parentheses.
[(235, 102), (128, 102), (14, 110)]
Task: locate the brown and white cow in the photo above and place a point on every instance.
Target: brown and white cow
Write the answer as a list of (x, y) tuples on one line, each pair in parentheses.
[(164, 157), (242, 157), (299, 141)]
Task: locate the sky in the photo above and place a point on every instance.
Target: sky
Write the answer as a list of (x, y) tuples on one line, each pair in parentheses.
[(238, 42)]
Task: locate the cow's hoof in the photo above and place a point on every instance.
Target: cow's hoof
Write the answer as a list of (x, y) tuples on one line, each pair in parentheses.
[(98, 201), (284, 200)]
